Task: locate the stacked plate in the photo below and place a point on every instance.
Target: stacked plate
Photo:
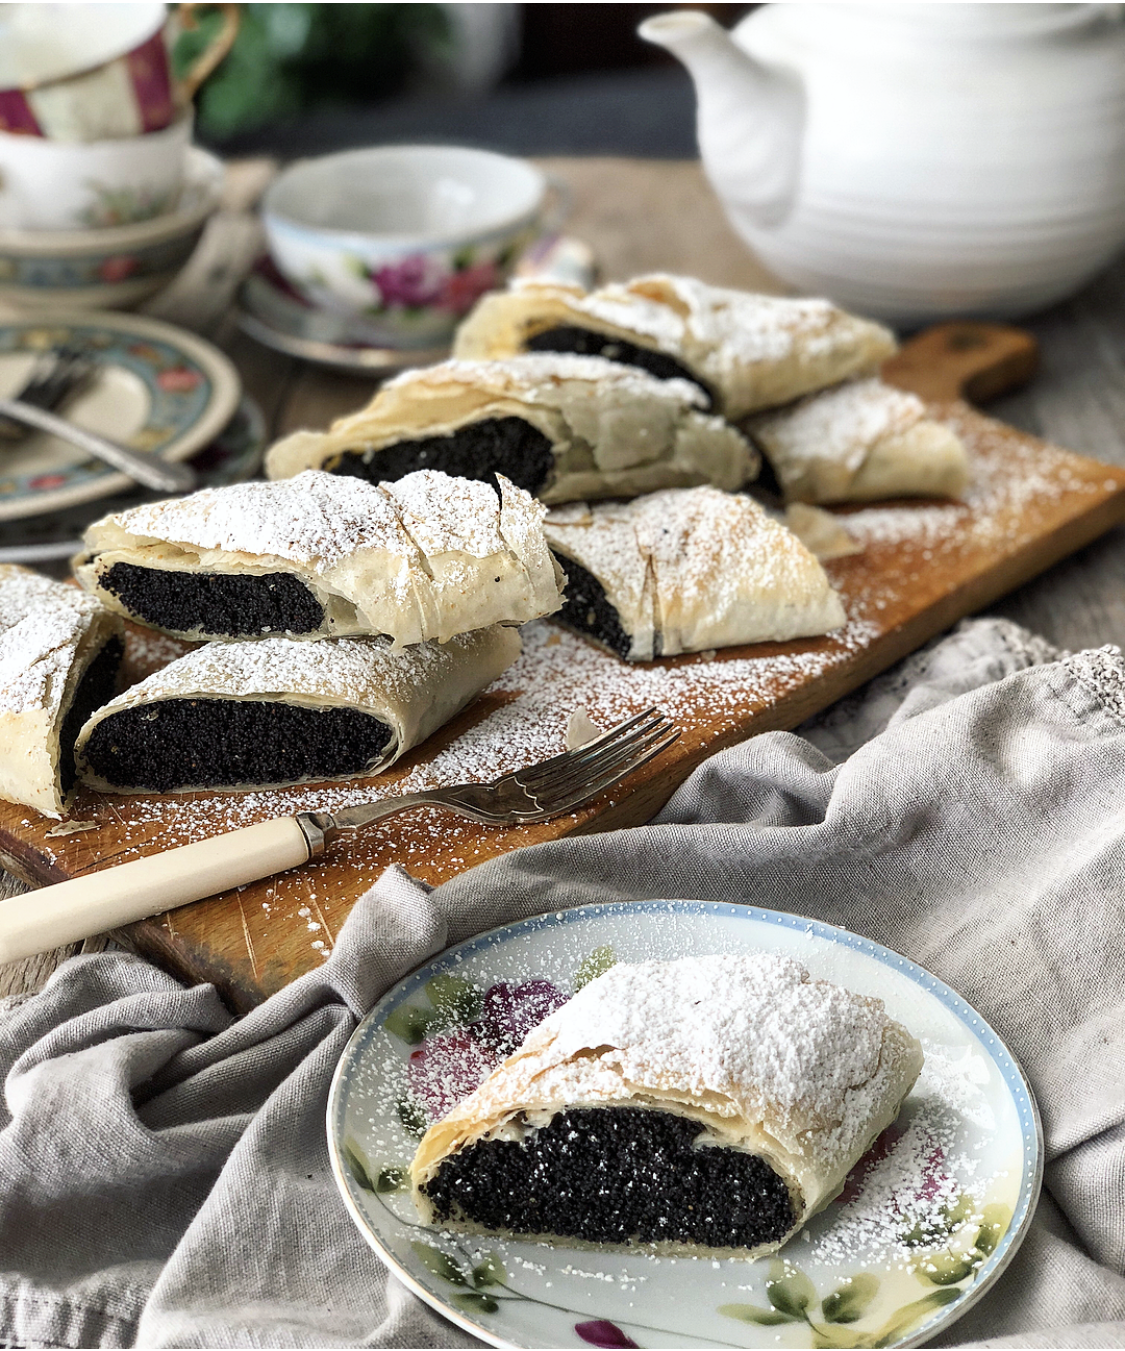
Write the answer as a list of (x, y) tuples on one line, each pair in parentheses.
[(156, 389)]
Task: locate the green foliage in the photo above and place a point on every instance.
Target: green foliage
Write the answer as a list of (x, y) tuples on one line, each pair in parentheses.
[(409, 1024), (910, 1316), (750, 1313), (454, 1000), (849, 1303), (292, 57), (471, 1302), (412, 1116), (596, 964), (357, 1166), (435, 1261), (489, 1272), (790, 1293), (391, 1179)]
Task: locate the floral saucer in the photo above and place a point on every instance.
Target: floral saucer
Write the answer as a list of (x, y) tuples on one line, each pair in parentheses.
[(925, 1224), (232, 457), (158, 389)]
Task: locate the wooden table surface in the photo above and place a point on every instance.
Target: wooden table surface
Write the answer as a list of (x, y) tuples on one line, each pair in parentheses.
[(646, 215)]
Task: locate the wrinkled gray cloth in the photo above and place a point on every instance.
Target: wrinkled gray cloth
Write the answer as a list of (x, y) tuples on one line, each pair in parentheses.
[(164, 1179)]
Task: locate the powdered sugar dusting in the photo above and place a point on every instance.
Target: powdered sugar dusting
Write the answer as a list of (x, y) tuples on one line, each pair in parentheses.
[(537, 378), (319, 520), (840, 425), (343, 670), (41, 625), (776, 1041)]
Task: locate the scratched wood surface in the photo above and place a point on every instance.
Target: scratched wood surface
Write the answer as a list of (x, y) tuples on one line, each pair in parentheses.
[(252, 943)]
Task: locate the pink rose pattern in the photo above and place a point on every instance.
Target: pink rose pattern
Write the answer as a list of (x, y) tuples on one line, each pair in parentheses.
[(446, 1068), (421, 282)]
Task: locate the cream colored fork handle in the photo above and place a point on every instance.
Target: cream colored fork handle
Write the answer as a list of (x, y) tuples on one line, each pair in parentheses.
[(69, 911)]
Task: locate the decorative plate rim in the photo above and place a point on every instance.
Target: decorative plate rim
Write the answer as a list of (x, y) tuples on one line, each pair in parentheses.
[(226, 391), (1011, 1070)]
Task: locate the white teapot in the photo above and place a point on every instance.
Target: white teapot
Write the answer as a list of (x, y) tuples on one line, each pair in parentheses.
[(916, 161)]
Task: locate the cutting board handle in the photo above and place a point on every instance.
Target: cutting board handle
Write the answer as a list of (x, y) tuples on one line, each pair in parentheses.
[(963, 360)]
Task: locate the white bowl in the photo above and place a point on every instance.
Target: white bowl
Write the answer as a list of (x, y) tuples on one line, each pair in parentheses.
[(406, 238), (113, 267)]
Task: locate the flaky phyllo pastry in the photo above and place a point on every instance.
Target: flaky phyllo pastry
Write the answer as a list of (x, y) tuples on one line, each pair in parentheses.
[(859, 442), (563, 427), (704, 1106), (745, 351), (275, 712), (59, 657), (318, 556), (686, 570)]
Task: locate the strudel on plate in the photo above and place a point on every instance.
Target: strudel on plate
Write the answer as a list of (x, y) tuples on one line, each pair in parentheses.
[(686, 570), (276, 712), (59, 657), (706, 1106), (562, 427), (859, 442), (745, 351), (318, 556)]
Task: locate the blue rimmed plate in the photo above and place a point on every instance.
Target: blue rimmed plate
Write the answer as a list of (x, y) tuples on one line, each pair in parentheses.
[(925, 1224), (158, 389)]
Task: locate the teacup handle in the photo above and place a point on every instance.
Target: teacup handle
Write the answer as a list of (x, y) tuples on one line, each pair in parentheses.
[(216, 49)]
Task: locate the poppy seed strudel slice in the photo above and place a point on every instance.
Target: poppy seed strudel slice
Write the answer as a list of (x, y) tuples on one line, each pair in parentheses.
[(744, 351), (860, 442), (318, 556), (563, 427), (705, 1106), (59, 657), (278, 712), (687, 570)]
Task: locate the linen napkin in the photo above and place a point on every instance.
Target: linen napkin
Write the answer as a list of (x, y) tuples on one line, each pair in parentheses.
[(164, 1179)]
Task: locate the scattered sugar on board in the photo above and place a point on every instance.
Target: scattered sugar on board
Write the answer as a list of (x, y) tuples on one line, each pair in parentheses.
[(1016, 485)]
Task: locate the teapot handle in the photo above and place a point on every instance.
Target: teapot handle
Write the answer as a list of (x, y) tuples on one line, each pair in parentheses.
[(215, 51)]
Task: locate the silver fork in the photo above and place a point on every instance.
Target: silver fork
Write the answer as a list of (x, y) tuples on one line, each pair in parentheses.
[(70, 911), (551, 788), (55, 376)]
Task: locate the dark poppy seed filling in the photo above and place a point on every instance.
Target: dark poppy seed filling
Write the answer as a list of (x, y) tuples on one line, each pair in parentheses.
[(616, 1175), (585, 342), (587, 608), (479, 450), (233, 605), (96, 687), (222, 743)]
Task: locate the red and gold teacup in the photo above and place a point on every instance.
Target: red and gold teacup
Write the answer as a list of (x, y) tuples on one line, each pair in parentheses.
[(74, 72)]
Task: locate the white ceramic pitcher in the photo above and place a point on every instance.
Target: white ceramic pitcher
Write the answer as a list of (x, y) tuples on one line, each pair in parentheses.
[(916, 161)]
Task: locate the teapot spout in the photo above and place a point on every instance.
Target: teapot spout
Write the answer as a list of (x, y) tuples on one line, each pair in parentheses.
[(750, 119)]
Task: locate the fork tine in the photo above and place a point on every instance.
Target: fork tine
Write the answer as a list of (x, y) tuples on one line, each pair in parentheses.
[(574, 777), (585, 756), (590, 790), (579, 752)]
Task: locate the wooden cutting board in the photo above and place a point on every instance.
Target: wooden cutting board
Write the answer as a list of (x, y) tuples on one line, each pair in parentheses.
[(923, 566)]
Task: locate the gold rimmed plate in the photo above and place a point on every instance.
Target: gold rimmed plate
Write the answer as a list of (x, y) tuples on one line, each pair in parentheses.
[(925, 1224)]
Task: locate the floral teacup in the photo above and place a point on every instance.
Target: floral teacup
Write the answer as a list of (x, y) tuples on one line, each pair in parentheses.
[(402, 239)]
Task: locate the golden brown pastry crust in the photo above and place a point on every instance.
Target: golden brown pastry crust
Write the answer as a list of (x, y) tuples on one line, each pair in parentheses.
[(860, 442), (414, 690), (427, 557), (752, 351), (799, 1071), (614, 431), (690, 569), (49, 635)]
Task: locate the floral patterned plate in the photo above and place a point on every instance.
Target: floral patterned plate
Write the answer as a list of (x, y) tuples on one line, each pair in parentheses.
[(157, 389), (925, 1223)]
